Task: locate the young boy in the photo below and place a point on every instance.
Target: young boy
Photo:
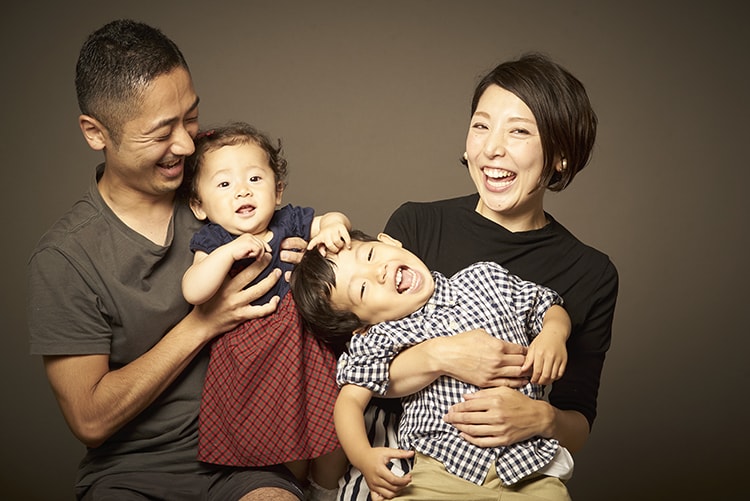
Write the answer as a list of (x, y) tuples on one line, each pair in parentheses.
[(380, 289)]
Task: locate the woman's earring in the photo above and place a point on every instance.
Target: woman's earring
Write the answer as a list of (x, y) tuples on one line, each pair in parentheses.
[(564, 164), (466, 156)]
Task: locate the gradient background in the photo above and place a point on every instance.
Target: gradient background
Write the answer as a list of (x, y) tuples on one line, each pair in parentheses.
[(372, 102)]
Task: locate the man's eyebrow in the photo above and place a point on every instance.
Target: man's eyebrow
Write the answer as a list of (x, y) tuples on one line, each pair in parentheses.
[(169, 121)]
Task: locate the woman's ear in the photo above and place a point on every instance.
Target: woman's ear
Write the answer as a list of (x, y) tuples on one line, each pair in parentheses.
[(387, 239), (93, 132)]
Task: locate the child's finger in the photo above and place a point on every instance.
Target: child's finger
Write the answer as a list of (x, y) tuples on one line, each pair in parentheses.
[(346, 239)]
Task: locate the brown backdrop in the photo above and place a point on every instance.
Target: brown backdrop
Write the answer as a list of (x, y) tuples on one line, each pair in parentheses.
[(372, 100)]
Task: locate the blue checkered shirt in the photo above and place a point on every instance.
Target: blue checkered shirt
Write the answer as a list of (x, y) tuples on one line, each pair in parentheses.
[(484, 295)]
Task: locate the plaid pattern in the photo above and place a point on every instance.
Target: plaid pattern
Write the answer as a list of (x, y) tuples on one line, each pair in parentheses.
[(269, 394), (483, 295)]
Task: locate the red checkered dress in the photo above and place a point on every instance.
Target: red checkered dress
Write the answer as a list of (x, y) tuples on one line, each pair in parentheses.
[(269, 394)]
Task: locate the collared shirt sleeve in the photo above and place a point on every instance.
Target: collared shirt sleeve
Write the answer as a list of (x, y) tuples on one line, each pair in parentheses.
[(367, 362)]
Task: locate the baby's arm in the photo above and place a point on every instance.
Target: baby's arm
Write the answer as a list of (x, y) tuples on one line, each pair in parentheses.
[(331, 231), (371, 461), (208, 271), (547, 353)]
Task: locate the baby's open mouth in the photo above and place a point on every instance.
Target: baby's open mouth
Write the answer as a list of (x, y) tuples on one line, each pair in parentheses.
[(245, 209)]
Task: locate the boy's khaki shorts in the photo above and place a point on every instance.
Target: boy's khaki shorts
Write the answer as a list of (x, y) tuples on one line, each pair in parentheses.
[(432, 482)]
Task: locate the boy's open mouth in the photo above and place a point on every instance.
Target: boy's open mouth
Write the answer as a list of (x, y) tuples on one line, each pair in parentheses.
[(406, 279)]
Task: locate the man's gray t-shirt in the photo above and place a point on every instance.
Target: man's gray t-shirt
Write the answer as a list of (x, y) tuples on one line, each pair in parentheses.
[(98, 287)]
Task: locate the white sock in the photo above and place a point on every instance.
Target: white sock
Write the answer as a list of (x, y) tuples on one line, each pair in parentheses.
[(318, 493)]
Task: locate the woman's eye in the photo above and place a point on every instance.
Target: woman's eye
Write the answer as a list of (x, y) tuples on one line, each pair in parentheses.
[(369, 257)]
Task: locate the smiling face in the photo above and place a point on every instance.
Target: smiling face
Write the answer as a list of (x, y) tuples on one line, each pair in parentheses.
[(148, 157), (237, 189), (380, 281), (505, 160)]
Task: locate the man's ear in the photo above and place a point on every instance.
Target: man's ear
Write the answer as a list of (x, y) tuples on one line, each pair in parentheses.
[(197, 209), (93, 131), (387, 239)]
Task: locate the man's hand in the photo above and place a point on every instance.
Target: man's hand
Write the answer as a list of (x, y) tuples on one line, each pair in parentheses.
[(292, 249), (230, 305)]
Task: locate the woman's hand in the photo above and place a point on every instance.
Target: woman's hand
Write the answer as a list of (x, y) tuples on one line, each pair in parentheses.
[(477, 358), (501, 416), (474, 357)]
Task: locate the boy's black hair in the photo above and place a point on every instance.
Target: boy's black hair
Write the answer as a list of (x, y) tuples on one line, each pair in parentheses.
[(311, 284)]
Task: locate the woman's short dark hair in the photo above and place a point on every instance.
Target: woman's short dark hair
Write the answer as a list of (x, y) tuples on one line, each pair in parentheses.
[(116, 64), (567, 122), (311, 284), (231, 134)]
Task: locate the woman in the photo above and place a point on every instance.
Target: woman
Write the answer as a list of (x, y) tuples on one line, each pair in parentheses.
[(532, 129)]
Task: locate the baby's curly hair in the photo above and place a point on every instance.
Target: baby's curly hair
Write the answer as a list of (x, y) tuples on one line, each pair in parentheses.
[(231, 134), (311, 284)]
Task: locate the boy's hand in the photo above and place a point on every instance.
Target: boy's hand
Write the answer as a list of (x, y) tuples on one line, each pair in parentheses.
[(373, 464), (548, 357), (247, 246), (331, 238)]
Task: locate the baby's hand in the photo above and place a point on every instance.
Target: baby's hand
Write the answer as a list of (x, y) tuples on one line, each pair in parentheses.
[(332, 238), (548, 356), (248, 246)]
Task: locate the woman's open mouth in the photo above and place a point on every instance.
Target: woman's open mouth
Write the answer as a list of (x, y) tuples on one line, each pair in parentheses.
[(498, 178)]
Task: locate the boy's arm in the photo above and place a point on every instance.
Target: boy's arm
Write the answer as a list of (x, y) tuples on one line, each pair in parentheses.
[(547, 354), (208, 271), (350, 426), (330, 230), (372, 462)]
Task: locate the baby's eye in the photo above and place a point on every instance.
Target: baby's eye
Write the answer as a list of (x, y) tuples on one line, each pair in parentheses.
[(254, 179), (223, 184), (362, 291)]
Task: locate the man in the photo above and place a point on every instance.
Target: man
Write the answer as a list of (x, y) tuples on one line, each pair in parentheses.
[(124, 353)]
